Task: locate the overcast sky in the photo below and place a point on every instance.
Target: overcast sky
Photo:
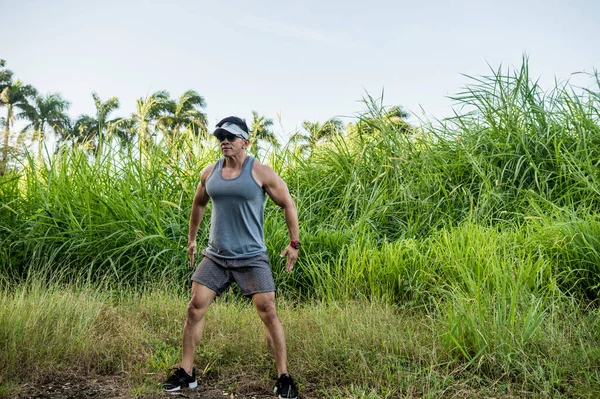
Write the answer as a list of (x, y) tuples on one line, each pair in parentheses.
[(308, 60)]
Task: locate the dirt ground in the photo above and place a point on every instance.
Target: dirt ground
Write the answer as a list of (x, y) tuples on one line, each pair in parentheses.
[(114, 387)]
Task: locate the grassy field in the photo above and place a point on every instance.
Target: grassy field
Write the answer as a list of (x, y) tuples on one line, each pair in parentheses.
[(455, 259), (336, 349)]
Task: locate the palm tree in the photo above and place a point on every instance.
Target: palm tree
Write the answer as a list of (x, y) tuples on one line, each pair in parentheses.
[(103, 109), (89, 128), (396, 114), (85, 128), (5, 82), (124, 129), (14, 95), (46, 111), (5, 76), (394, 117), (315, 132), (261, 130), (185, 112), (148, 110)]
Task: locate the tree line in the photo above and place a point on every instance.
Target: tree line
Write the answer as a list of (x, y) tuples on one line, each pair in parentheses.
[(155, 114)]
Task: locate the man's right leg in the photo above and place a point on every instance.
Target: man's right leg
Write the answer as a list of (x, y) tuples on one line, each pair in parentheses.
[(202, 297)]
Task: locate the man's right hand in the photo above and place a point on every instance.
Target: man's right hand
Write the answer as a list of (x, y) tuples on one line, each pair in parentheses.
[(192, 252)]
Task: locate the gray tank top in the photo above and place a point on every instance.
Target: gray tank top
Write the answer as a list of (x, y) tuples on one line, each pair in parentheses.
[(238, 207)]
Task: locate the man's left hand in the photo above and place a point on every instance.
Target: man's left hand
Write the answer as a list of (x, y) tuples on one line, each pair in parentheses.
[(292, 257)]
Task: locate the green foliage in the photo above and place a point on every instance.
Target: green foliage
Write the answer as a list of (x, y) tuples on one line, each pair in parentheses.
[(183, 113), (483, 228), (373, 202), (342, 349), (63, 329), (13, 96), (120, 220), (573, 243)]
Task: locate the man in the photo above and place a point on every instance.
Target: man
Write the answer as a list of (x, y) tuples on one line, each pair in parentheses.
[(237, 184)]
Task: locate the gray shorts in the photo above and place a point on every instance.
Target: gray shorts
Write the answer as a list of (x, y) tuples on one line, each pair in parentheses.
[(252, 275)]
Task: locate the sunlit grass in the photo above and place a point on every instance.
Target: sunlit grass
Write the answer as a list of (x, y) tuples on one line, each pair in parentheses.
[(451, 258), (335, 348)]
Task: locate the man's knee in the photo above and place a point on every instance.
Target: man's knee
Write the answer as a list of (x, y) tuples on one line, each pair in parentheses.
[(195, 311), (266, 310)]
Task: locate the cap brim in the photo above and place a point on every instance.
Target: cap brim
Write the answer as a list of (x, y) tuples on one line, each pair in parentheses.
[(232, 129)]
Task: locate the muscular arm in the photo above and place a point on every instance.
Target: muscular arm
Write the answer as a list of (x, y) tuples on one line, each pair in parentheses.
[(276, 188), (201, 198)]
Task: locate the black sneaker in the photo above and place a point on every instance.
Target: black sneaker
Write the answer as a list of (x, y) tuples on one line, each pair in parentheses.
[(180, 379), (285, 387)]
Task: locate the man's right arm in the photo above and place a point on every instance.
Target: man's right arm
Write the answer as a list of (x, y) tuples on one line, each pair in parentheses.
[(201, 198)]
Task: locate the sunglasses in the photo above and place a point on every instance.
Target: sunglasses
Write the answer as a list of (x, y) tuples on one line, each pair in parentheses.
[(229, 137)]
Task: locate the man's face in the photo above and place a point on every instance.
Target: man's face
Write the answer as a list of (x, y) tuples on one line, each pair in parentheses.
[(231, 145)]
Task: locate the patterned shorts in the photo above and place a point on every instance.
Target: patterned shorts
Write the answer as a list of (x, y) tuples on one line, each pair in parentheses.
[(252, 275)]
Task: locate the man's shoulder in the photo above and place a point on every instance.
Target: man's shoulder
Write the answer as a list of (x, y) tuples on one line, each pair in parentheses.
[(259, 166), (206, 172), (262, 170)]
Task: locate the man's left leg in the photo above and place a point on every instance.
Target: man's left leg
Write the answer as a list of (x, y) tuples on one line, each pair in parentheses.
[(265, 305)]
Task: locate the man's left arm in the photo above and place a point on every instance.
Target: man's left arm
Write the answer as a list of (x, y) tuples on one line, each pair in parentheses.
[(276, 188)]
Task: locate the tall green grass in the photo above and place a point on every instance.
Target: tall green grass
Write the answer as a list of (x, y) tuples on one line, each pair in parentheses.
[(484, 227), (516, 153), (116, 218)]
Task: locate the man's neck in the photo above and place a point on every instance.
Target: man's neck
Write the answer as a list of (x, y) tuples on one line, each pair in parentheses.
[(236, 161)]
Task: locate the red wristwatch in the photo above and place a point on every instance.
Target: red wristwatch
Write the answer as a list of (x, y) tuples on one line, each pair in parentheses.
[(295, 244)]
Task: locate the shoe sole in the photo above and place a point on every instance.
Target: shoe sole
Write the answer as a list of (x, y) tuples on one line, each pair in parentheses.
[(281, 397), (191, 385)]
